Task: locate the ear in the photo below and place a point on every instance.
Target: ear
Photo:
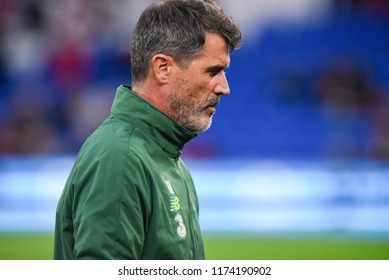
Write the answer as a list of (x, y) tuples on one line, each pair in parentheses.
[(161, 66)]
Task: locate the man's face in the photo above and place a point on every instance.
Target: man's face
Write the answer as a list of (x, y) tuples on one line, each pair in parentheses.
[(197, 87)]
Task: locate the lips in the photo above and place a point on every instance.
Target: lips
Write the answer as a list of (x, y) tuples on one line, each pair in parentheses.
[(214, 103)]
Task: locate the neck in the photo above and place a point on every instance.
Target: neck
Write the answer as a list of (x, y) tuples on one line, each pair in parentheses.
[(153, 94)]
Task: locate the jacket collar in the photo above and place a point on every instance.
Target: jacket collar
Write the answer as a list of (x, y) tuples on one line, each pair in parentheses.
[(169, 135)]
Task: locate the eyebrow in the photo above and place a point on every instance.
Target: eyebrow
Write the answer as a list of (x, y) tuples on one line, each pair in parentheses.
[(214, 68)]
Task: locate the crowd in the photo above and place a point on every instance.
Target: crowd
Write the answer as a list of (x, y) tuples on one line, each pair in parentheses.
[(61, 61)]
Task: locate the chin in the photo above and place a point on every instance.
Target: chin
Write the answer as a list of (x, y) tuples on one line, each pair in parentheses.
[(206, 126), (199, 124)]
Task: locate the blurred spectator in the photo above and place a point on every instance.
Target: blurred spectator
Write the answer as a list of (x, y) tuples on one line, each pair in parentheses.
[(27, 128), (380, 125), (346, 97), (84, 112), (70, 69), (372, 7), (345, 86)]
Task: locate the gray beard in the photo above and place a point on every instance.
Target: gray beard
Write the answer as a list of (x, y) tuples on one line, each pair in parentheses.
[(186, 118)]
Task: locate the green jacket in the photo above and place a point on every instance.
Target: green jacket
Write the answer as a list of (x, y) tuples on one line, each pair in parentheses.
[(129, 195)]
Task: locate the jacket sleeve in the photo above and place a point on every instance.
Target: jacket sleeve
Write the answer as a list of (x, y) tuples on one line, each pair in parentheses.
[(111, 205)]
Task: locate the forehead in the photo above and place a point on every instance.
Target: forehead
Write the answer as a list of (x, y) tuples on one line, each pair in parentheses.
[(215, 51)]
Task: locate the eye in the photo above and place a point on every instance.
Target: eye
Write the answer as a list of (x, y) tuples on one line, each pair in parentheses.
[(215, 71)]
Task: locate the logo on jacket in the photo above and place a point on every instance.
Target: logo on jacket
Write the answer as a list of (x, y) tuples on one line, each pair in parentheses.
[(175, 207), (175, 204)]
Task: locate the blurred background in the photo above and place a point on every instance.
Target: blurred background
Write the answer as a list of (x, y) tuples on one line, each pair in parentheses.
[(295, 166)]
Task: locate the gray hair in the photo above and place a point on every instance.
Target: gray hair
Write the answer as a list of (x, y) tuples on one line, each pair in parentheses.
[(177, 28)]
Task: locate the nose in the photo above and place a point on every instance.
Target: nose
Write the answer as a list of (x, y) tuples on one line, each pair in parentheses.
[(222, 87)]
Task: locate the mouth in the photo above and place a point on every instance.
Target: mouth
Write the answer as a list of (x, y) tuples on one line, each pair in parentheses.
[(213, 104), (211, 108)]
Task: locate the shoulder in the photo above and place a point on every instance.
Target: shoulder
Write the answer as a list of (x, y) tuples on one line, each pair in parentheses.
[(110, 147), (108, 163)]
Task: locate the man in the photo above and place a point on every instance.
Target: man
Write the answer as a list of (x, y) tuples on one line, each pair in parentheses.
[(129, 195)]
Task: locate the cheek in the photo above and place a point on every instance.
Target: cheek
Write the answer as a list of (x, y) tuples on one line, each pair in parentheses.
[(199, 94), (203, 86), (195, 88)]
